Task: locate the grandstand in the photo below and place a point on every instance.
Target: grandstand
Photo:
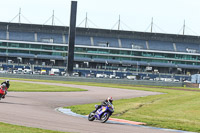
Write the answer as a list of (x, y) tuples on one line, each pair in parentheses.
[(100, 48)]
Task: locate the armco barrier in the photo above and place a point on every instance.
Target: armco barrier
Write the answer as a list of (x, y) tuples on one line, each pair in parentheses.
[(97, 80)]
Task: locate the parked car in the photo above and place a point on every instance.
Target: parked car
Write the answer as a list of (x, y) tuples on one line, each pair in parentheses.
[(3, 71), (132, 77), (20, 71), (117, 77), (28, 71), (146, 78), (112, 76), (77, 74), (98, 75), (36, 72), (54, 72), (43, 72), (15, 71), (91, 75)]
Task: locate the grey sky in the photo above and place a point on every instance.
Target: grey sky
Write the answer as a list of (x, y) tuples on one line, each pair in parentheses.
[(135, 15)]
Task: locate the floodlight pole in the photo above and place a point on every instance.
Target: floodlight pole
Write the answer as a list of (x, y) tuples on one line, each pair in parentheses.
[(86, 21), (71, 42), (184, 28), (152, 25), (19, 15), (119, 23), (53, 18)]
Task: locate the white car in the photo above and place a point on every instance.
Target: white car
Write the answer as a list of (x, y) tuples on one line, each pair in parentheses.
[(98, 75), (3, 71), (132, 77)]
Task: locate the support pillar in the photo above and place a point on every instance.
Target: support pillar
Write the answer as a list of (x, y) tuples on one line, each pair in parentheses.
[(71, 43)]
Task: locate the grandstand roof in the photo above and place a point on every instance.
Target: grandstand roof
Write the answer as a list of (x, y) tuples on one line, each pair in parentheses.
[(21, 27)]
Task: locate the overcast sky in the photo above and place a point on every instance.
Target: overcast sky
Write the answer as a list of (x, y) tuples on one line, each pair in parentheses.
[(136, 15)]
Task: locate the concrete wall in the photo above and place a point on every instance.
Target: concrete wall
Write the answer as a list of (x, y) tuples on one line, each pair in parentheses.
[(97, 80)]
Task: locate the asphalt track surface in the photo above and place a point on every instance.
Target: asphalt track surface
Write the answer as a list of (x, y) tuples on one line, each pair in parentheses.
[(37, 109)]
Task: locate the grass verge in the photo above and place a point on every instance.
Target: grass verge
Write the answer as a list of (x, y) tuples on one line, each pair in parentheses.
[(123, 86), (174, 110), (8, 128), (31, 87)]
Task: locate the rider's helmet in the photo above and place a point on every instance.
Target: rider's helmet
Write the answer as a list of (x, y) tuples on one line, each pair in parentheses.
[(7, 81), (109, 99)]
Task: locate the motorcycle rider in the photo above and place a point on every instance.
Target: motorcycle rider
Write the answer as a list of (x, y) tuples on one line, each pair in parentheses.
[(7, 85), (105, 102)]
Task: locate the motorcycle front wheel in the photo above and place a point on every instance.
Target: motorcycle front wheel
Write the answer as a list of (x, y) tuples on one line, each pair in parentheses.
[(91, 116), (105, 117)]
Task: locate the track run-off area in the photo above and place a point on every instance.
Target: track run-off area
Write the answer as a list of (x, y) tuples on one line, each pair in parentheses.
[(38, 109)]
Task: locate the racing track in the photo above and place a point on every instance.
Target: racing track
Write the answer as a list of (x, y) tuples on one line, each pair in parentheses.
[(37, 109)]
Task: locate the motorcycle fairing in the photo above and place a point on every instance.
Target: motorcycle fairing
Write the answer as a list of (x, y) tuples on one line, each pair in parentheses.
[(100, 112)]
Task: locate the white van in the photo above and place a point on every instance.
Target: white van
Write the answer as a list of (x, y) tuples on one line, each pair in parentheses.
[(54, 72), (98, 75), (132, 77)]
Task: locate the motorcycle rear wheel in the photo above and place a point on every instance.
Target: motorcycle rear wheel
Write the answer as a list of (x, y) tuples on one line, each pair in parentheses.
[(105, 116), (91, 116)]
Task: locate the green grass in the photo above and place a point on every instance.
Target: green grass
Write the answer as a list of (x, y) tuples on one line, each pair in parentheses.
[(174, 110), (124, 86), (8, 128), (31, 87)]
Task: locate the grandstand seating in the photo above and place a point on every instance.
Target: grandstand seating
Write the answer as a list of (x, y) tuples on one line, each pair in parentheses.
[(82, 40), (16, 67), (99, 60), (44, 37), (21, 55), (161, 46), (82, 58), (21, 36), (162, 64), (112, 61), (66, 38), (143, 63), (2, 34), (3, 54), (103, 41), (133, 43), (5, 66), (134, 62), (188, 66), (50, 57), (188, 47), (130, 62)]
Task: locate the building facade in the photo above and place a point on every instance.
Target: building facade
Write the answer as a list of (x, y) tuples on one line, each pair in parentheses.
[(100, 49)]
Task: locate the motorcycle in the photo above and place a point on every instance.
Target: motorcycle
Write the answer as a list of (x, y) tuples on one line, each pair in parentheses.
[(102, 114), (2, 92)]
